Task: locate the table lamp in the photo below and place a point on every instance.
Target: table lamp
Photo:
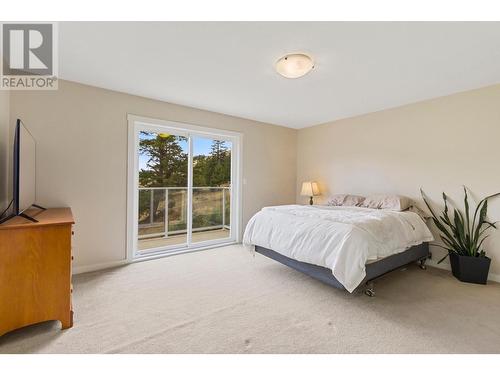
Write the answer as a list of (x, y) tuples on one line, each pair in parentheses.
[(310, 189)]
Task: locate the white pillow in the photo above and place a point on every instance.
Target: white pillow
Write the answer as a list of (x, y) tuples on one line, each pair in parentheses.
[(345, 200), (388, 202)]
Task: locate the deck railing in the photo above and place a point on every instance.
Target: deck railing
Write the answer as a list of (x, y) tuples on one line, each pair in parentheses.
[(165, 194)]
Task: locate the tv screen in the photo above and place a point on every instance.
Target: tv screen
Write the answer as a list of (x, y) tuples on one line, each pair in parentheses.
[(24, 169)]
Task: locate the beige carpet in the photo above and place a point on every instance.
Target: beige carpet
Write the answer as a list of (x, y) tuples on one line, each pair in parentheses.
[(227, 301)]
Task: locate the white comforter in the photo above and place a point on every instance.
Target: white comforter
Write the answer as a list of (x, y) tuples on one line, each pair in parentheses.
[(343, 239)]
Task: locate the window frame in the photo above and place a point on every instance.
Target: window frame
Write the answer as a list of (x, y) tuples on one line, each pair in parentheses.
[(140, 123)]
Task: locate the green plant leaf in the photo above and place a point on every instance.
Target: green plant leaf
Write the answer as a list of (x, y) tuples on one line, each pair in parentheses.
[(487, 225), (464, 236), (491, 224), (448, 251), (427, 204), (459, 230), (481, 242), (443, 258), (452, 244), (482, 218), (479, 205), (435, 219), (467, 218)]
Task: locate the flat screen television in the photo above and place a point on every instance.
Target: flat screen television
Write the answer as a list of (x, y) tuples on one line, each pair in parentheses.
[(24, 173)]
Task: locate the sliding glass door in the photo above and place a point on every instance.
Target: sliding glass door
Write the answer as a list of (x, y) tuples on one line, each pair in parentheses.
[(211, 189), (182, 187), (162, 190)]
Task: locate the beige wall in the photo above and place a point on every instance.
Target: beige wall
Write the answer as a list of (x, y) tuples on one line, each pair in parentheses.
[(81, 135), (438, 145), (4, 149)]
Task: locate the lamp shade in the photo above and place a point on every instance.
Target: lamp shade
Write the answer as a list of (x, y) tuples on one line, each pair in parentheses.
[(309, 189)]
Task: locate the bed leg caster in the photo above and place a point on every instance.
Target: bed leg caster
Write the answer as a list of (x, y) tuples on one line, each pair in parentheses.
[(370, 291), (421, 264)]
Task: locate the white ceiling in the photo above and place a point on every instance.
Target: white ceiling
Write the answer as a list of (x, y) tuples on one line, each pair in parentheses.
[(229, 67)]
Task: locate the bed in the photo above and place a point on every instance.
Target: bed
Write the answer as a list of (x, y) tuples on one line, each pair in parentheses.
[(345, 247)]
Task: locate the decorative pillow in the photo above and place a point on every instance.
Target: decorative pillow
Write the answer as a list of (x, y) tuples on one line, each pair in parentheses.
[(345, 200), (353, 200), (388, 202), (336, 200)]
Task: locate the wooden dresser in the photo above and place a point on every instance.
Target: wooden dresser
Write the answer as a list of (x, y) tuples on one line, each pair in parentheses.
[(35, 269)]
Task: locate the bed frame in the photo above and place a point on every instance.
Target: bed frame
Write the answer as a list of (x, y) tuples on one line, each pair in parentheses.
[(419, 253)]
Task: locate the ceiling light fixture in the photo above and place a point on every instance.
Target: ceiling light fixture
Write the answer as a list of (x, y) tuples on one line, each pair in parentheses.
[(294, 65)]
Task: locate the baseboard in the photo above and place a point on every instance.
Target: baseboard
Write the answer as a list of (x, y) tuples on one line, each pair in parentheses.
[(98, 266), (101, 266), (446, 266)]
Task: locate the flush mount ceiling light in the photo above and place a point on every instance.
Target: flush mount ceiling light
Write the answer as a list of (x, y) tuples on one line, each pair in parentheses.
[(294, 65)]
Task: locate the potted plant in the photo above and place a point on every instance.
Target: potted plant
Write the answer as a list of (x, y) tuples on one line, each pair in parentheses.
[(463, 238)]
